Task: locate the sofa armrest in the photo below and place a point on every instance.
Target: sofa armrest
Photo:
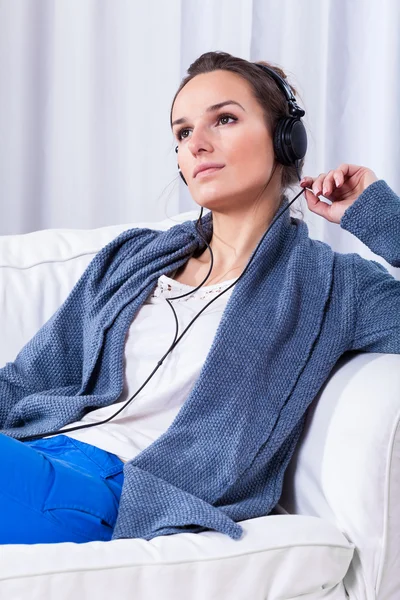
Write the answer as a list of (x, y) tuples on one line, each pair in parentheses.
[(346, 468)]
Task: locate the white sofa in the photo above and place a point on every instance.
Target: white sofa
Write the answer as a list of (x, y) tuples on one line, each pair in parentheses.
[(335, 533)]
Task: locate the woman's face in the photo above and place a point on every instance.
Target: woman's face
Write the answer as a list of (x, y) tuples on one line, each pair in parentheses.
[(233, 136)]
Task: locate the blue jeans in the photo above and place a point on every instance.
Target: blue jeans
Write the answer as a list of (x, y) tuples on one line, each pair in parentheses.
[(57, 490)]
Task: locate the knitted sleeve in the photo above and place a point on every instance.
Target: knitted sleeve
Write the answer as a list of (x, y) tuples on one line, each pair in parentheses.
[(377, 328), (51, 359), (375, 219)]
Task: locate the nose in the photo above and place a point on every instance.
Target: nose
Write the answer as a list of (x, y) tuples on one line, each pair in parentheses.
[(199, 140)]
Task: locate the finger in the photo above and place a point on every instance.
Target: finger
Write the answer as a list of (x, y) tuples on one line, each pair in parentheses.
[(339, 177), (311, 198), (314, 184), (307, 182), (325, 183), (318, 183), (347, 169), (328, 184)]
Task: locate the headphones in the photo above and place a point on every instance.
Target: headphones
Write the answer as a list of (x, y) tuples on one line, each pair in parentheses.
[(290, 137)]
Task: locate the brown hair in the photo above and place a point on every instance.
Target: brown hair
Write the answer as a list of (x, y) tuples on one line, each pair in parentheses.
[(265, 90)]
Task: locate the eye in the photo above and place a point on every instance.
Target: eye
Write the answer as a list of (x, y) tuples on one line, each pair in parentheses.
[(224, 116)]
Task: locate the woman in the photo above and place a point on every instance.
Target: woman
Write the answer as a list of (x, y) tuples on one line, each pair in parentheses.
[(207, 443)]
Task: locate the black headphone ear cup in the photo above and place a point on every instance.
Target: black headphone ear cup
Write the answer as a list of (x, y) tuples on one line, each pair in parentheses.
[(181, 174), (278, 149), (290, 141)]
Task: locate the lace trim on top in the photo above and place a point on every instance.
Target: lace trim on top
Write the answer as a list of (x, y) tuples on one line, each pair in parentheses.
[(167, 287)]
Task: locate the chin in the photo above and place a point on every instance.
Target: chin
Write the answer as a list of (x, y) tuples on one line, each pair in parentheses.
[(213, 206), (212, 198)]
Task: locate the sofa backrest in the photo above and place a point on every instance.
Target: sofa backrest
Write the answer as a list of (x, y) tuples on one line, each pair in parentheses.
[(39, 269)]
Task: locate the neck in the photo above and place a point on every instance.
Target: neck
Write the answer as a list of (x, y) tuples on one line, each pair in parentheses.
[(236, 235)]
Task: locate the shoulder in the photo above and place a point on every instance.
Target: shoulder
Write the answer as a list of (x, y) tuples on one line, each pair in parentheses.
[(346, 261), (354, 278), (136, 236), (136, 239), (124, 246), (339, 265)]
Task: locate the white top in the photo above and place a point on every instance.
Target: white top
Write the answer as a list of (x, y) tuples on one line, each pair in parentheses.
[(150, 335)]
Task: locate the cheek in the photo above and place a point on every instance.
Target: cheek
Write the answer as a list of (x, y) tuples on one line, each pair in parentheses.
[(251, 155)]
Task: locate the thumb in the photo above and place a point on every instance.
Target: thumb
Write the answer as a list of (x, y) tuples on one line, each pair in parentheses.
[(316, 205)]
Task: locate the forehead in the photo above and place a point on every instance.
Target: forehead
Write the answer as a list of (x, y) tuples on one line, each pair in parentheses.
[(210, 88)]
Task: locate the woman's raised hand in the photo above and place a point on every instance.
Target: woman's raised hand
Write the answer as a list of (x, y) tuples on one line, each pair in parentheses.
[(341, 186)]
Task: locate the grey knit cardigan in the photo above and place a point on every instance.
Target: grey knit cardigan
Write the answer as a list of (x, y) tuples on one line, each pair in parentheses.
[(297, 309)]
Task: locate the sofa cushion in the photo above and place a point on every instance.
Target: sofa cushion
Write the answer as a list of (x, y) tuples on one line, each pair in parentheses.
[(280, 557)]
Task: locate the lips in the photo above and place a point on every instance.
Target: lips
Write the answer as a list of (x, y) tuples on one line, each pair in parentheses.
[(208, 172), (206, 167)]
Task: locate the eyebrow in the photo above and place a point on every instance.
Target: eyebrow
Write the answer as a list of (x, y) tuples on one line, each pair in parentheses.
[(211, 108)]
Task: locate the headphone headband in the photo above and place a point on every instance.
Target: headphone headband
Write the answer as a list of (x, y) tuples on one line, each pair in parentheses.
[(294, 108)]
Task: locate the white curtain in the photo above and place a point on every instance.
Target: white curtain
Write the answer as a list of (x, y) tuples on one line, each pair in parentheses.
[(87, 85)]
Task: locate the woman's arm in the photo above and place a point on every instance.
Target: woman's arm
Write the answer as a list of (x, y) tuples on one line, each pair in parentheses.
[(369, 209), (52, 359), (375, 220), (59, 361), (377, 328)]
